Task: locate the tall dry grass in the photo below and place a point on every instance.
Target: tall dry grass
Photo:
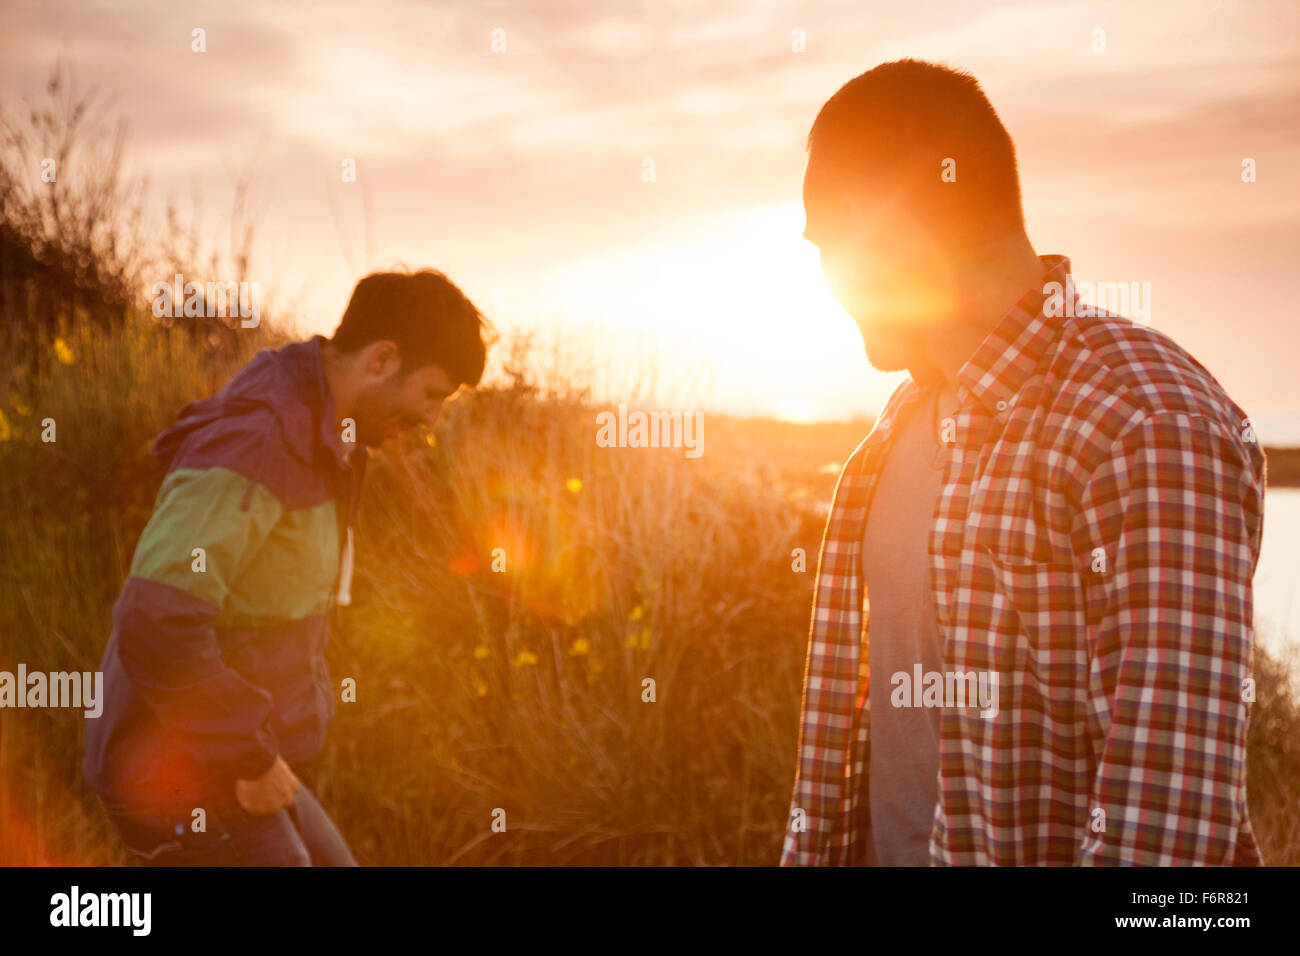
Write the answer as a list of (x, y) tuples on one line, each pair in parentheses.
[(520, 689), (478, 690), (524, 687)]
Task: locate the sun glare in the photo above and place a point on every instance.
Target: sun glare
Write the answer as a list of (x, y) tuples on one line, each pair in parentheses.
[(742, 298)]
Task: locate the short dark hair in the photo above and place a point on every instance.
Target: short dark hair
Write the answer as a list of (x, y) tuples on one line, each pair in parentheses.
[(430, 319), (896, 124)]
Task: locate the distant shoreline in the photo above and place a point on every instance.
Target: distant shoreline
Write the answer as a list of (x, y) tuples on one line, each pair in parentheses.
[(1283, 467)]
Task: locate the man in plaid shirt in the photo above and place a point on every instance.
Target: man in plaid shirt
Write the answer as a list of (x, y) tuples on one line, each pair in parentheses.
[(1087, 503)]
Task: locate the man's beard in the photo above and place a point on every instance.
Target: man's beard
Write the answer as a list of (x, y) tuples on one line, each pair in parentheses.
[(373, 418), (890, 347)]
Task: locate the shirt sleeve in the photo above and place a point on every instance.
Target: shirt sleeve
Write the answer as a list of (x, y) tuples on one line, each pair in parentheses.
[(1177, 509), (207, 523)]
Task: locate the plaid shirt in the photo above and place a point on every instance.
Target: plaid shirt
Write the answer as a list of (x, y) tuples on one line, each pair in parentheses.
[(1093, 544)]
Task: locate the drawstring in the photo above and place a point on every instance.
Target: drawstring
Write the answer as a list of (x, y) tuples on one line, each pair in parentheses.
[(345, 575), (356, 469)]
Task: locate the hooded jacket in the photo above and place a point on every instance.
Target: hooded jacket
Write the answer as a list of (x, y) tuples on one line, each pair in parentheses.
[(216, 661)]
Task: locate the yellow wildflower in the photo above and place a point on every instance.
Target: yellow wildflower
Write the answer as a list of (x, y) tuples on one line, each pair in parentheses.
[(481, 652), (480, 689), (580, 646), (525, 659), (62, 352), (574, 485)]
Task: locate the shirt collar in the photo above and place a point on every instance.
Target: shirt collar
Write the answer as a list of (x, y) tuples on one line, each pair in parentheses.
[(1012, 350)]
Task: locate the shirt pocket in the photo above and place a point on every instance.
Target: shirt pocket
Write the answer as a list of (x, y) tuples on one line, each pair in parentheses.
[(1038, 621)]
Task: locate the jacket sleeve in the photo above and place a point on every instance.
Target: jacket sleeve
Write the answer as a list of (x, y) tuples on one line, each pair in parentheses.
[(208, 520), (1177, 510)]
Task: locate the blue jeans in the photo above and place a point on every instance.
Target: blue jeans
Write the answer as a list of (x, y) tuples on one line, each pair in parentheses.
[(301, 834)]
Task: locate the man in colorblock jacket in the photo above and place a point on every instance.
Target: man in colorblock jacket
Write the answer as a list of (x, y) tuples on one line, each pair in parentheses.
[(216, 687)]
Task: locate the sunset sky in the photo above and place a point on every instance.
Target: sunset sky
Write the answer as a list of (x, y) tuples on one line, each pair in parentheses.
[(520, 172)]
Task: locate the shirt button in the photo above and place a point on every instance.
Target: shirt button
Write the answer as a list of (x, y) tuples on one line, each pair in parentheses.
[(1002, 406)]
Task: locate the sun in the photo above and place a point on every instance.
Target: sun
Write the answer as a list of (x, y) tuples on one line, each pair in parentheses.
[(731, 312)]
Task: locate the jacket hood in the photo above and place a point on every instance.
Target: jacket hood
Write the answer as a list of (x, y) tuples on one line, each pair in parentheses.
[(289, 382)]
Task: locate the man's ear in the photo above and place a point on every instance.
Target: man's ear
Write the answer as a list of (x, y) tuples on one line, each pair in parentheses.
[(383, 359)]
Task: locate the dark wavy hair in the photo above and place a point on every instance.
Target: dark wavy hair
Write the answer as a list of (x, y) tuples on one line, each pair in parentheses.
[(432, 321)]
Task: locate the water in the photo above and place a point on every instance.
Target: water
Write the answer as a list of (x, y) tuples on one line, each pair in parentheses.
[(1277, 577)]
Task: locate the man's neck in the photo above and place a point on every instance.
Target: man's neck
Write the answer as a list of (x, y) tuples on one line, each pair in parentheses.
[(336, 380), (986, 291)]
